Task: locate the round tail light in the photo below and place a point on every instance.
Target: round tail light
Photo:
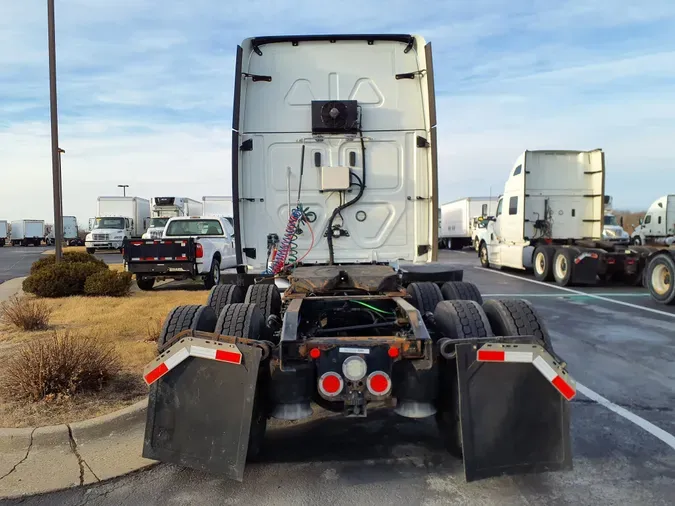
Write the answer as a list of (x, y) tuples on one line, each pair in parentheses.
[(378, 383), (330, 384)]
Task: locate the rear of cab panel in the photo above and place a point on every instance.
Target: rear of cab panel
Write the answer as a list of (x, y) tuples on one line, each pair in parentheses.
[(395, 218)]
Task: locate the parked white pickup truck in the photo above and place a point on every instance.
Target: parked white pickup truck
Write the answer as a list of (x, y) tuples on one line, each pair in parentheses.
[(190, 248)]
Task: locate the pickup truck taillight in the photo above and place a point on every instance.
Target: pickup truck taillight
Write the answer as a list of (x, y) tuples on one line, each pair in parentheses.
[(200, 251)]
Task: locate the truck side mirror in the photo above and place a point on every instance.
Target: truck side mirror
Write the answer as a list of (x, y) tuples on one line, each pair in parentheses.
[(640, 221), (621, 221)]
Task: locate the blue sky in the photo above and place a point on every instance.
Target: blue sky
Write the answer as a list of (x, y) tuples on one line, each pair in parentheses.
[(145, 90)]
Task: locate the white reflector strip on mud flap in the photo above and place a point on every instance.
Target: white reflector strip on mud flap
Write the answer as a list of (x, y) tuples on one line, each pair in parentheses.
[(538, 357), (190, 347)]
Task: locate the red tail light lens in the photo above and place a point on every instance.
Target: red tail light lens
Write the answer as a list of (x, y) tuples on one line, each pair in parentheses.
[(200, 251), (379, 383), (330, 384)]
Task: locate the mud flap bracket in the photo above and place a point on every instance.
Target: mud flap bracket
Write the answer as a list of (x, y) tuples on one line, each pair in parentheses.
[(512, 419)]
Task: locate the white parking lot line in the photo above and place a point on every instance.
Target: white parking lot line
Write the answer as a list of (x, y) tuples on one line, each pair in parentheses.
[(578, 292), (664, 436)]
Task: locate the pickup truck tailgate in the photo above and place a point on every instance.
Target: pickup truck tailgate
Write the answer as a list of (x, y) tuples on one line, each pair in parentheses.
[(159, 250)]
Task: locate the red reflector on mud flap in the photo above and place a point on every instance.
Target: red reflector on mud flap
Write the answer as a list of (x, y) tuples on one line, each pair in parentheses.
[(538, 357), (191, 347), (586, 254)]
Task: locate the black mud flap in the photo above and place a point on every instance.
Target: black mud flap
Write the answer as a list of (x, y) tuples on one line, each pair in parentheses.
[(199, 414), (513, 421)]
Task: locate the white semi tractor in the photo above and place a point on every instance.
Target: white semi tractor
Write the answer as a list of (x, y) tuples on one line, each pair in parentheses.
[(550, 220), (612, 230), (459, 220), (70, 232), (658, 224), (164, 208), (218, 205), (117, 218), (25, 232)]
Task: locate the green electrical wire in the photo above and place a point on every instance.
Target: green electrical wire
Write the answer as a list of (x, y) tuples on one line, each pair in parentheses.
[(374, 308)]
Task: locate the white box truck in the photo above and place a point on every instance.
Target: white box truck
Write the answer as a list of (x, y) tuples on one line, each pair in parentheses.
[(25, 232), (4, 229), (459, 220), (70, 232), (220, 206), (550, 220), (658, 224), (117, 218), (164, 208)]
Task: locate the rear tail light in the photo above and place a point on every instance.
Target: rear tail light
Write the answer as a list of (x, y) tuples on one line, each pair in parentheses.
[(330, 384), (611, 261), (200, 251), (378, 383)]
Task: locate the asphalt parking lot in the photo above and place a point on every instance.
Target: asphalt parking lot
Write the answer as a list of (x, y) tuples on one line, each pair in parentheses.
[(620, 348), (16, 261)]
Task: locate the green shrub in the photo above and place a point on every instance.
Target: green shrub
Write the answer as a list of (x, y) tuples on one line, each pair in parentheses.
[(60, 280), (58, 366), (74, 257), (108, 283)]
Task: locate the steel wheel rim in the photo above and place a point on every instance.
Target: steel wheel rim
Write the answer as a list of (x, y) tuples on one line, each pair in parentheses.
[(661, 279), (560, 266), (540, 262)]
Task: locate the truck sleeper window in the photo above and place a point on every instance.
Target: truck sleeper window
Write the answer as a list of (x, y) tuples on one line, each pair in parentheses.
[(194, 227), (513, 205)]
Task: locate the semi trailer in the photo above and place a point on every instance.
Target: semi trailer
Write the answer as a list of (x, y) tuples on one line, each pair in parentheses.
[(218, 205), (338, 300), (4, 232), (459, 220), (550, 221), (70, 234)]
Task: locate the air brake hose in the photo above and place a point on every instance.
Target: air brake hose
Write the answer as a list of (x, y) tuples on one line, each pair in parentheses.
[(339, 209)]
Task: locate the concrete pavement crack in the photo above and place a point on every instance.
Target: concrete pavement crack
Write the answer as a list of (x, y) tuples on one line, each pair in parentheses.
[(80, 461), (30, 445)]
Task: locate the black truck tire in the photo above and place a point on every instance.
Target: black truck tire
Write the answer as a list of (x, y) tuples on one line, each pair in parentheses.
[(145, 283), (516, 317), (455, 319), (213, 277), (247, 321), (661, 278), (542, 263), (180, 318), (267, 297), (563, 263), (220, 295), (424, 296), (461, 290)]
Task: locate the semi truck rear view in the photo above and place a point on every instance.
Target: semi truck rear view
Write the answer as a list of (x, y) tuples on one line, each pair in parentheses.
[(335, 200)]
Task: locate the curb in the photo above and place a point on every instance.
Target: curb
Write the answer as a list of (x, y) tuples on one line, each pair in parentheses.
[(37, 460), (11, 287)]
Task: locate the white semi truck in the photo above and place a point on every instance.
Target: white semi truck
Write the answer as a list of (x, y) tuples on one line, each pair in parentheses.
[(25, 232), (4, 231), (459, 220), (70, 232), (612, 230), (218, 205), (658, 224), (334, 179), (550, 220), (117, 218), (164, 208)]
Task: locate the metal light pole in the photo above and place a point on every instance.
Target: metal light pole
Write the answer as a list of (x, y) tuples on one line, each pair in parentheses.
[(124, 187), (56, 156)]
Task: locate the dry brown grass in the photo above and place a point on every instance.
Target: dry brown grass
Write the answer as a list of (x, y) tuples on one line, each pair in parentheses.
[(25, 313), (81, 249), (125, 322)]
